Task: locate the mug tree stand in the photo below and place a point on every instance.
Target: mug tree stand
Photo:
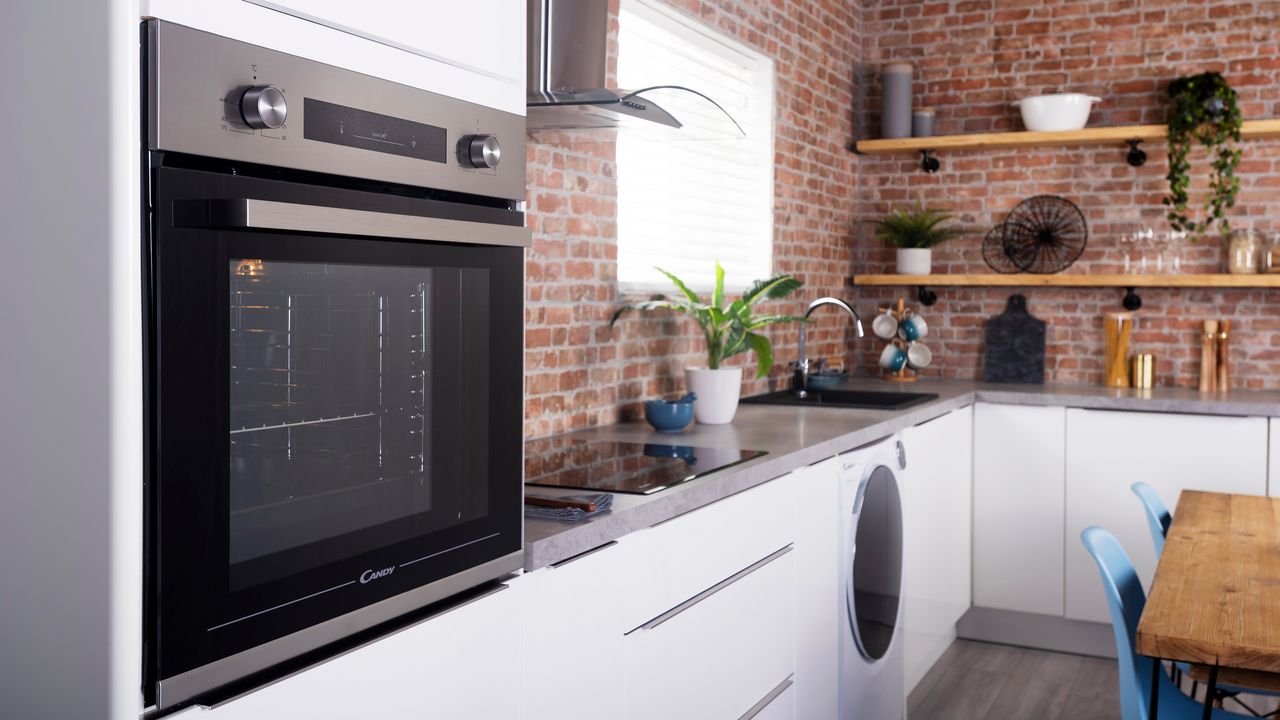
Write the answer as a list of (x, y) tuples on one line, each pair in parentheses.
[(906, 374)]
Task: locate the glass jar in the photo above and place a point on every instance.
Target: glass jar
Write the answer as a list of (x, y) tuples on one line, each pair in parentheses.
[(1271, 255), (1244, 252)]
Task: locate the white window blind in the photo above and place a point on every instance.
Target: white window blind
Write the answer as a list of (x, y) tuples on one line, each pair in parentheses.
[(684, 205)]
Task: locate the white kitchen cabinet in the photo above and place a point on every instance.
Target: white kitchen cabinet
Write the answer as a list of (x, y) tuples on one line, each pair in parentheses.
[(720, 654), (473, 51), (1019, 476), (680, 558), (937, 490), (709, 602), (464, 663), (573, 652), (1109, 451), (818, 595)]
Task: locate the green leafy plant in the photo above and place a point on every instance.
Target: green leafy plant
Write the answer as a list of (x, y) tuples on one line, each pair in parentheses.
[(916, 228), (728, 329), (1203, 110)]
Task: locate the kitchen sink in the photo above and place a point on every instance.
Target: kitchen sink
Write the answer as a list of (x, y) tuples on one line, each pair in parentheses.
[(861, 399)]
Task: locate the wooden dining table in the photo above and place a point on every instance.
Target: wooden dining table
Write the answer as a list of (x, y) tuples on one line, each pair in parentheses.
[(1215, 599)]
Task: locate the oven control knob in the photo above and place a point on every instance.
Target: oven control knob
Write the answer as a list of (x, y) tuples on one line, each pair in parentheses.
[(263, 107), (483, 151)]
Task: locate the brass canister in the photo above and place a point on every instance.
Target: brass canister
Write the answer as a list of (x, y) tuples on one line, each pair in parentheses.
[(1117, 326), (1144, 370)]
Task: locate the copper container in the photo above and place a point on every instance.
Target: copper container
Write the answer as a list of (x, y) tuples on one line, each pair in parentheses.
[(1144, 370), (1117, 327)]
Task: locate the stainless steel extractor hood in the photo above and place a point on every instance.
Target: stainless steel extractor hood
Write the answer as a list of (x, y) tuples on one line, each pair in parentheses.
[(568, 53)]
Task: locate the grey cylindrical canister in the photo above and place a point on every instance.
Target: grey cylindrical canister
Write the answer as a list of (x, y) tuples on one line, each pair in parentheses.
[(895, 102), (922, 122)]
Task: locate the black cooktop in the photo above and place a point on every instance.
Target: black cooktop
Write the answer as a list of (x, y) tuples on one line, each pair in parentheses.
[(622, 467)]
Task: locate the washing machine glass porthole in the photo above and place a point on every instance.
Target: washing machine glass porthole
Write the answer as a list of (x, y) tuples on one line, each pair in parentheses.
[(876, 575)]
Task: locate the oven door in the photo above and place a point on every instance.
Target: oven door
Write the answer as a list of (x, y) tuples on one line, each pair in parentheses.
[(336, 416)]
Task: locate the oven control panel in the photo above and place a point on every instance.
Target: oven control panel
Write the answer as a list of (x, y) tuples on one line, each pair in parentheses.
[(216, 97)]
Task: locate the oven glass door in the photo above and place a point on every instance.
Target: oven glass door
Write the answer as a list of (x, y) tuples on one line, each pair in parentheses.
[(337, 420)]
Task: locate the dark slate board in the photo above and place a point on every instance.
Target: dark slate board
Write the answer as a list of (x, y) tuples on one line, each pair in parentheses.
[(1015, 345)]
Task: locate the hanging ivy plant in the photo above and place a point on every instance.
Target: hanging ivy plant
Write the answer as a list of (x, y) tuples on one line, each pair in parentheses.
[(1203, 111)]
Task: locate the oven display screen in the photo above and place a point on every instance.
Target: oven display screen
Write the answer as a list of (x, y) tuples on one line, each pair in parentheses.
[(341, 125)]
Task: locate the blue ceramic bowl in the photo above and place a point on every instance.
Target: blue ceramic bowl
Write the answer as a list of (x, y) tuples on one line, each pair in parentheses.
[(824, 380), (667, 416)]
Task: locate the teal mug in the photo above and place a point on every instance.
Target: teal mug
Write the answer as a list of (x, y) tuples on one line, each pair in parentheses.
[(913, 327), (893, 358)]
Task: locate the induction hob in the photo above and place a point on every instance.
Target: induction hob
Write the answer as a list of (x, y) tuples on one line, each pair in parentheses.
[(623, 467)]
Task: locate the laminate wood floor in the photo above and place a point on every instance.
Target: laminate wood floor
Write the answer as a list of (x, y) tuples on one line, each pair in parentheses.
[(982, 681)]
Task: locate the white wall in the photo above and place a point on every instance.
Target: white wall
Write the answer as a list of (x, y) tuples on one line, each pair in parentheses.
[(70, 507)]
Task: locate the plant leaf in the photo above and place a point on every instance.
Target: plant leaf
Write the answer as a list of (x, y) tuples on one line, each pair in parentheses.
[(693, 297), (659, 304), (775, 287), (717, 297), (736, 342), (916, 228), (762, 320), (764, 353)]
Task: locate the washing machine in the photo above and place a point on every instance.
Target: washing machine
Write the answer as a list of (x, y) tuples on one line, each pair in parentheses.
[(871, 684)]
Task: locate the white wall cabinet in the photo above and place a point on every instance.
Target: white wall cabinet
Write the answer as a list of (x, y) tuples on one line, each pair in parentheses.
[(473, 50), (937, 491), (819, 599), (1018, 507), (464, 663), (1109, 451)]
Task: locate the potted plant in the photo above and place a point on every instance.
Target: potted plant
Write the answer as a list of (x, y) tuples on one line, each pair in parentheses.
[(729, 329), (914, 232), (1203, 110)]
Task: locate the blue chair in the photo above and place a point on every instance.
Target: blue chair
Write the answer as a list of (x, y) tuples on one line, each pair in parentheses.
[(1126, 600), (1158, 516)]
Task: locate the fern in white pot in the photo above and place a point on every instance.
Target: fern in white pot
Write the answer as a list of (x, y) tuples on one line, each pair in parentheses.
[(914, 232)]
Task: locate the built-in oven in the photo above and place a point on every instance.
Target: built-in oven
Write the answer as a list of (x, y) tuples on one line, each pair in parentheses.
[(334, 302)]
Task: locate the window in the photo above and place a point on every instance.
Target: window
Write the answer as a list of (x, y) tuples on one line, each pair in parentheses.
[(684, 205)]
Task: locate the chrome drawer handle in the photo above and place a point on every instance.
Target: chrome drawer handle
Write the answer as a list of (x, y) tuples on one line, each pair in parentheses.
[(254, 214), (767, 699), (712, 590)]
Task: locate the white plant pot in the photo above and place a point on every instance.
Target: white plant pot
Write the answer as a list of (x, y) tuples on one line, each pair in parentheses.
[(718, 392), (915, 261)]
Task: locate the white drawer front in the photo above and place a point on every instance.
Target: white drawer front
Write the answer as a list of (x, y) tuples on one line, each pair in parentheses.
[(718, 657), (464, 663), (699, 549), (573, 635)]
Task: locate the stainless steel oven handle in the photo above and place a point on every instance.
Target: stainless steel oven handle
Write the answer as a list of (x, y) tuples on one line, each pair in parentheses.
[(271, 215)]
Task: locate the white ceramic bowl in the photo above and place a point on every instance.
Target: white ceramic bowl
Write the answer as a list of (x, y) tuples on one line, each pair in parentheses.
[(1062, 111)]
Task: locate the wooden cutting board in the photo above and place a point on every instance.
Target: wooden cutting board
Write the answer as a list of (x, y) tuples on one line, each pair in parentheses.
[(1015, 345)]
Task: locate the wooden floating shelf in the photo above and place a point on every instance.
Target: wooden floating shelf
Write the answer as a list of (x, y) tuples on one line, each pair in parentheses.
[(1116, 135), (1028, 280)]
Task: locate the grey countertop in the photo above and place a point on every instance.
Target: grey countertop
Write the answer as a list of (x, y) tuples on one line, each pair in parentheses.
[(798, 436)]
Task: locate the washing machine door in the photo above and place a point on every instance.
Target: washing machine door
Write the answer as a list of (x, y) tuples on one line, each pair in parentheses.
[(874, 588)]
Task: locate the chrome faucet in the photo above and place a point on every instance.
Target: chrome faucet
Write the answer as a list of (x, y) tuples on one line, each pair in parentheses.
[(800, 374)]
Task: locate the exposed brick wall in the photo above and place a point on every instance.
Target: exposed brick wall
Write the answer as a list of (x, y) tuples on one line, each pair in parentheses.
[(579, 372), (972, 58)]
